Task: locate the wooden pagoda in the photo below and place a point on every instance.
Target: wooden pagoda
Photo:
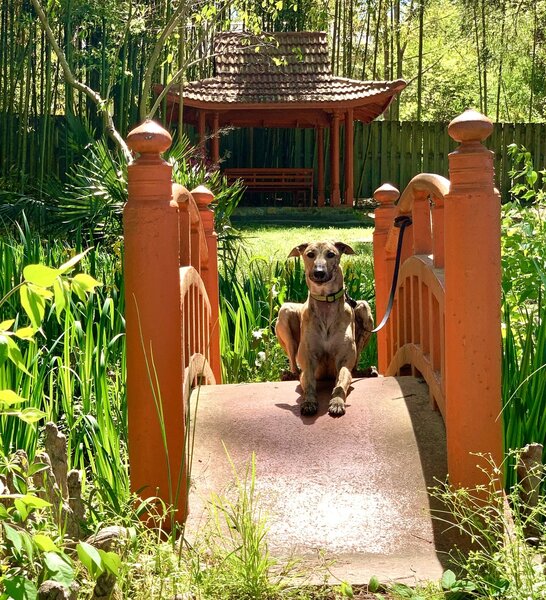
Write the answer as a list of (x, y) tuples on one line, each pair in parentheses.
[(283, 80)]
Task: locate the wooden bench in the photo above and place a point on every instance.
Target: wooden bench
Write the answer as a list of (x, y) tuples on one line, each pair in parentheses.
[(273, 180)]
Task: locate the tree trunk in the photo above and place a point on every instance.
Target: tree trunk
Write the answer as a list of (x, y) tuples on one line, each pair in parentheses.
[(501, 57), (485, 58), (420, 60)]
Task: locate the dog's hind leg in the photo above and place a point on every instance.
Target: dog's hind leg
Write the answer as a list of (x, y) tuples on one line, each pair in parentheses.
[(288, 331), (363, 326)]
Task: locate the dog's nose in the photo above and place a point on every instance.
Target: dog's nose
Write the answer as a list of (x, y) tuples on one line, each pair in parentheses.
[(319, 273)]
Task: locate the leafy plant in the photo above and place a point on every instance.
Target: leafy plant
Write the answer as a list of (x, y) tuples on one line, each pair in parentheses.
[(528, 184), (75, 363), (524, 310), (500, 562), (31, 555), (41, 284), (523, 379), (235, 562)]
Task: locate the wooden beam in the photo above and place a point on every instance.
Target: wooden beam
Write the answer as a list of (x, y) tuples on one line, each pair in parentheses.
[(274, 118), (335, 196), (349, 168), (215, 142), (320, 165), (202, 131)]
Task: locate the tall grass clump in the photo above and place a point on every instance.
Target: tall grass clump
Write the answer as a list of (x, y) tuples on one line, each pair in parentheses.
[(76, 365), (503, 536), (524, 306), (233, 559)]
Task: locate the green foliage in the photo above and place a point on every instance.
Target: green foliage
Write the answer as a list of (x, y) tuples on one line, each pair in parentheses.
[(41, 284), (91, 202), (235, 562), (529, 185), (33, 551), (524, 378), (524, 311), (96, 190), (249, 309), (98, 561), (191, 171), (499, 561), (75, 358)]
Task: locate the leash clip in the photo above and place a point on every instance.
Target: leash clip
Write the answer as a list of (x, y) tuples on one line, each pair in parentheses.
[(401, 220)]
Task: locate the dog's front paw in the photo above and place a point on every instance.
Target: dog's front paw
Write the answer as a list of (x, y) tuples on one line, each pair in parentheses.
[(289, 376), (372, 371), (309, 407), (336, 408)]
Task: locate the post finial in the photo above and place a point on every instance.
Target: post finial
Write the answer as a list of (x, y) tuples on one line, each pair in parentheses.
[(470, 126), (202, 196), (149, 138), (386, 195)]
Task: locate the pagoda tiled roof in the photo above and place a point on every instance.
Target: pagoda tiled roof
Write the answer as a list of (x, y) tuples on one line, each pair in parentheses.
[(280, 68)]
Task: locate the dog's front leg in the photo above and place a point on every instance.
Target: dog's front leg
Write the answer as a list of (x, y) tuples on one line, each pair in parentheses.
[(308, 384), (336, 407)]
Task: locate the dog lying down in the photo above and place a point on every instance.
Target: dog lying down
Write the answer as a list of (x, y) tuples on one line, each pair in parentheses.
[(325, 335)]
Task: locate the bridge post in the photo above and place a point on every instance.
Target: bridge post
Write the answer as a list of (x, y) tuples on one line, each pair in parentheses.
[(386, 196), (153, 323), (209, 273), (472, 304)]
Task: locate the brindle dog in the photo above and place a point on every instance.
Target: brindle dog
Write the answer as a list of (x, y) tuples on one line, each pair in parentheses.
[(325, 335)]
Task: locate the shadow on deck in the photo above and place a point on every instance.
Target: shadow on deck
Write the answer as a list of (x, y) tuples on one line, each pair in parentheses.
[(352, 490)]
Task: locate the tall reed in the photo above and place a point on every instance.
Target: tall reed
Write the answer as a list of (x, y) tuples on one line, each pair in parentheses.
[(524, 378), (77, 367)]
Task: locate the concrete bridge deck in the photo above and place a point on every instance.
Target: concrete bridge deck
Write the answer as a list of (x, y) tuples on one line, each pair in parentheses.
[(352, 490)]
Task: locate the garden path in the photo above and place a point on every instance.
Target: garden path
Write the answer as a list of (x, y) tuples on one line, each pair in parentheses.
[(351, 490)]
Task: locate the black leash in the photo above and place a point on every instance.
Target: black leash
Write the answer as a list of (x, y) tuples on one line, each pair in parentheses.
[(401, 222)]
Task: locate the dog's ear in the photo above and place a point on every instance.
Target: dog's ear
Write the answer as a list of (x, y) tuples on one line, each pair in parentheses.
[(298, 250), (344, 248)]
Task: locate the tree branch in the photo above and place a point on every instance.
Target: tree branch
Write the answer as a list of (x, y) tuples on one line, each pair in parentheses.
[(101, 103)]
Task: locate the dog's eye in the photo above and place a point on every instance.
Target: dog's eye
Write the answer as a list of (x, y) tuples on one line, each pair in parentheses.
[(330, 254), (311, 255)]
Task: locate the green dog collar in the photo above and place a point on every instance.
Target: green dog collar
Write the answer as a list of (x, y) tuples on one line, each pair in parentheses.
[(329, 297)]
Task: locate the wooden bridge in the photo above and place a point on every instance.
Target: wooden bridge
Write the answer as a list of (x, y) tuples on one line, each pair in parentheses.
[(437, 406)]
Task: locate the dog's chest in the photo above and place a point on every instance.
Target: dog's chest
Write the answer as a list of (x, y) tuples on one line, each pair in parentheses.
[(329, 323)]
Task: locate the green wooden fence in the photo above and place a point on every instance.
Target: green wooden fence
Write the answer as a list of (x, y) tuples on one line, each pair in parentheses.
[(385, 151)]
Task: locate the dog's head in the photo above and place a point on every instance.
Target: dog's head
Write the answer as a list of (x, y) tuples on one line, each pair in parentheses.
[(321, 260)]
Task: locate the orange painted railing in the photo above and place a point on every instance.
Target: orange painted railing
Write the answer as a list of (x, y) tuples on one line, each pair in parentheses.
[(171, 290), (445, 322)]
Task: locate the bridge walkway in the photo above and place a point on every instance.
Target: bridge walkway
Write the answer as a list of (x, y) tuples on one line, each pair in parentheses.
[(351, 490)]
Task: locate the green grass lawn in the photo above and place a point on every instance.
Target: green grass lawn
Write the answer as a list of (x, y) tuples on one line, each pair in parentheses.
[(277, 241)]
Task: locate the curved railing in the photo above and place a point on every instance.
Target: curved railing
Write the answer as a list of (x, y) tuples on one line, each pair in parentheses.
[(171, 288), (445, 320), (414, 334)]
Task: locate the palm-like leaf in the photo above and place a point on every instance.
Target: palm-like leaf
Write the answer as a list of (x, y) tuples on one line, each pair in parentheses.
[(93, 199)]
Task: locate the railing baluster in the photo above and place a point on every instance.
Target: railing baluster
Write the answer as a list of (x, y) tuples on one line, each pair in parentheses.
[(203, 198), (386, 196)]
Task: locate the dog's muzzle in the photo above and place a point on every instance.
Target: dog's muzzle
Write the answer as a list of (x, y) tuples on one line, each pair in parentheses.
[(320, 275)]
